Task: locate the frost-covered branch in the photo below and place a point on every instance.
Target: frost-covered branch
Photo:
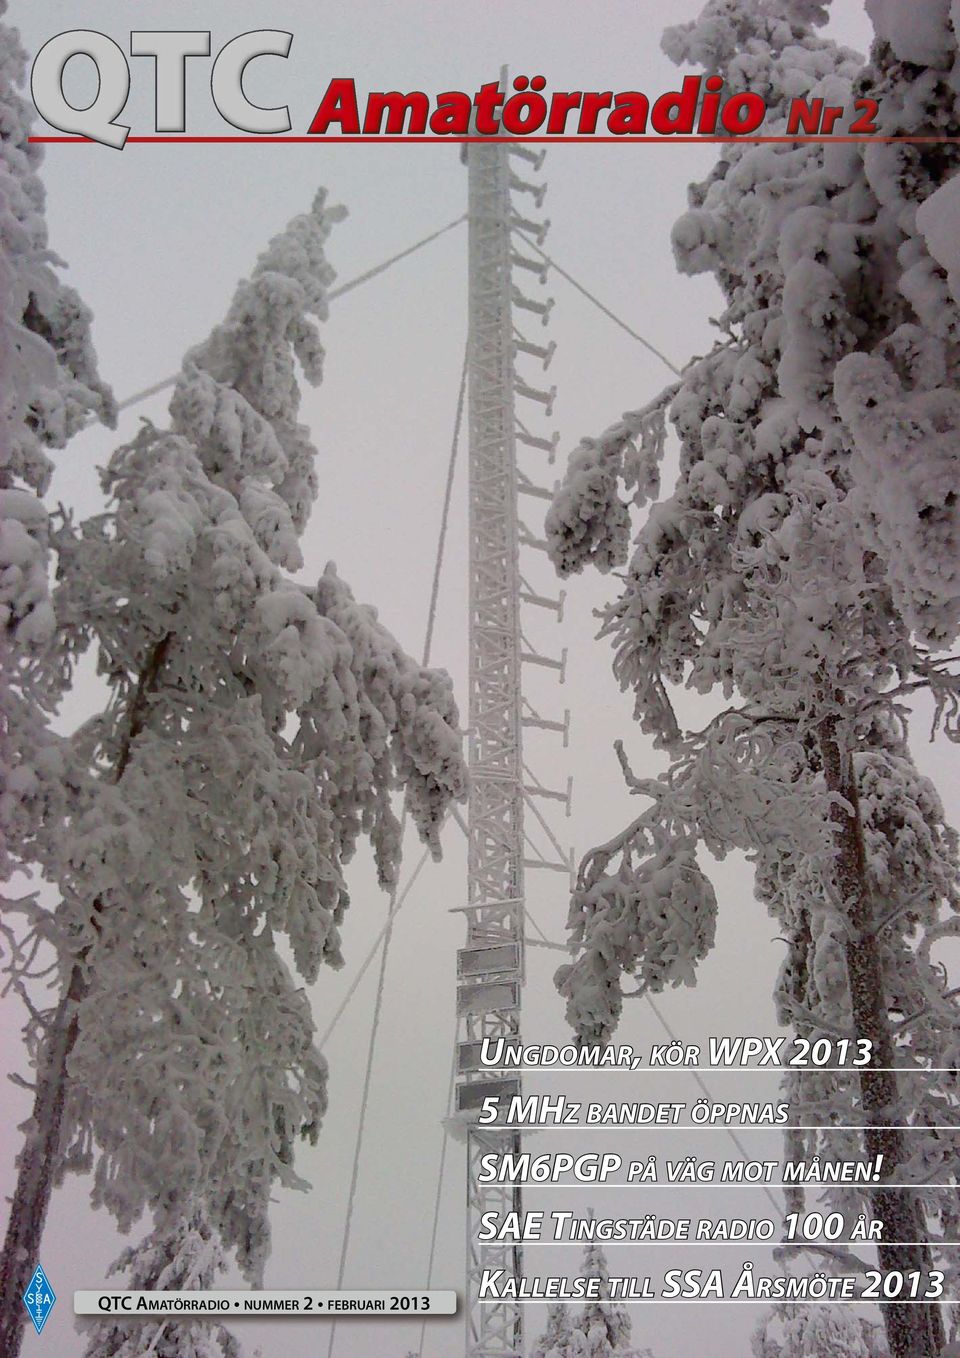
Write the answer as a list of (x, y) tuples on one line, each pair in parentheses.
[(804, 567), (255, 730)]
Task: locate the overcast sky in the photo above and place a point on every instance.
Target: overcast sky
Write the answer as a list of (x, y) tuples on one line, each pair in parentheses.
[(156, 238)]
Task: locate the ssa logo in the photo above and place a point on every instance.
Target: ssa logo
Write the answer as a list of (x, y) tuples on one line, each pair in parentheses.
[(39, 1299)]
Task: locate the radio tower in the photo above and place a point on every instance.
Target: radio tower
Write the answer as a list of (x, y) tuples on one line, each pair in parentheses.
[(490, 968)]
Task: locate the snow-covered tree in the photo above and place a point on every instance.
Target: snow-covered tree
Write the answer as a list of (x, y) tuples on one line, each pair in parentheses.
[(817, 1332), (601, 1329), (49, 388), (806, 564), (557, 1338), (184, 1256), (255, 728)]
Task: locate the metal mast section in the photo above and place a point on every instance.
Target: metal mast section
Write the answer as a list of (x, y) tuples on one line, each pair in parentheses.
[(490, 969)]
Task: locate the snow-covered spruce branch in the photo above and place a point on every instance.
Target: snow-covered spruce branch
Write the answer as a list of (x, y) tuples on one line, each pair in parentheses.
[(587, 521), (805, 563), (49, 389), (255, 730), (598, 1329), (839, 1257), (642, 905)]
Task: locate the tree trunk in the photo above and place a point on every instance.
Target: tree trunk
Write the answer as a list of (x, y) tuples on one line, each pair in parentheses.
[(37, 1171), (913, 1331), (40, 1155)]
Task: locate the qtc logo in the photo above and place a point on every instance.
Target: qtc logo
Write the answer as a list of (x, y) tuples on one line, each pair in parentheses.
[(39, 1299)]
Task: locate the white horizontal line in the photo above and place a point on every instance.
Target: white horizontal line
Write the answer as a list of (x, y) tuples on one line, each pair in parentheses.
[(709, 1127), (757, 1183), (736, 1301), (658, 1070)]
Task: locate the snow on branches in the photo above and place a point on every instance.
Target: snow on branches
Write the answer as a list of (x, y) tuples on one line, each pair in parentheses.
[(587, 521), (830, 282), (817, 1332), (557, 1336), (808, 549), (49, 389), (804, 565), (256, 728), (642, 905), (50, 386), (184, 1256), (655, 921), (604, 1326), (599, 1329)]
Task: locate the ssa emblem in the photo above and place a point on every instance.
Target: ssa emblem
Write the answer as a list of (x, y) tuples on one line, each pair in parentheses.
[(39, 1299)]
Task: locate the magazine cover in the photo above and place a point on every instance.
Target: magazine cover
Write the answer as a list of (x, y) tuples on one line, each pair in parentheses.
[(480, 597)]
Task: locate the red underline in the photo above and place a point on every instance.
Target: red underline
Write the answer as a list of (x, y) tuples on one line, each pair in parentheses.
[(371, 138)]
